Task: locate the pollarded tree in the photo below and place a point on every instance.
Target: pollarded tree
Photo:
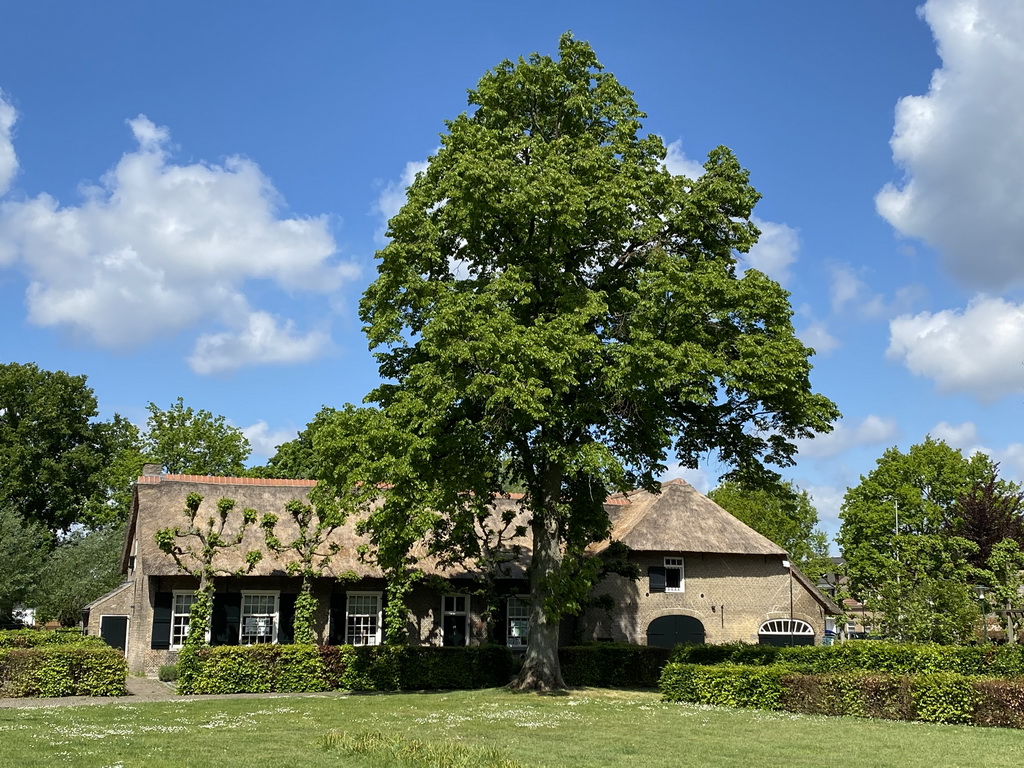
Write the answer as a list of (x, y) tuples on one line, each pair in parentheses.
[(313, 552), (198, 549), (556, 311)]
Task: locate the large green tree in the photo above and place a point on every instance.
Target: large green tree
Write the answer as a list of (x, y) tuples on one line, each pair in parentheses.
[(53, 450), (295, 459), (185, 441), (912, 494), (785, 514), (556, 311)]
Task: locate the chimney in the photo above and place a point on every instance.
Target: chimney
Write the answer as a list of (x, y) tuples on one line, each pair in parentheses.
[(151, 470)]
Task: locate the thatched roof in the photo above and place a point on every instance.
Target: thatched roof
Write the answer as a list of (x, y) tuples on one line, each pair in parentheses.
[(679, 519)]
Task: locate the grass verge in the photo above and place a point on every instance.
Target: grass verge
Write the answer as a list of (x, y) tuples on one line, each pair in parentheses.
[(479, 728)]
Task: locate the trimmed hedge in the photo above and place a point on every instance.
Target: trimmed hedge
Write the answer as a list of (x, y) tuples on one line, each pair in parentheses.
[(613, 665), (298, 668), (31, 638), (63, 670), (937, 697), (865, 656), (295, 668)]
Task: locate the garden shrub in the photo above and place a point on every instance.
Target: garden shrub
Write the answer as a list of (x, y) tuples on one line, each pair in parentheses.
[(613, 665), (168, 673), (63, 670), (728, 685), (944, 697), (1000, 703)]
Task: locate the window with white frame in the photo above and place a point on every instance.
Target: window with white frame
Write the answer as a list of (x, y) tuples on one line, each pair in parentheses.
[(518, 621), (362, 618), (181, 608), (455, 620), (674, 574), (259, 618)]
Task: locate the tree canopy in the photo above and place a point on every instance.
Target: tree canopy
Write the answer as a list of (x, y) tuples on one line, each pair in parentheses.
[(556, 311), (189, 442), (53, 450)]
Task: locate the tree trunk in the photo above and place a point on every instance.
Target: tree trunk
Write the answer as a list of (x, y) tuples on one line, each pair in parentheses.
[(541, 670), (1011, 628)]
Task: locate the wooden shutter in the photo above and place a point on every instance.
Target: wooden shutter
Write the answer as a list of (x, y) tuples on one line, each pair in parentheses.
[(226, 622), (336, 629), (162, 604), (286, 619), (656, 578)]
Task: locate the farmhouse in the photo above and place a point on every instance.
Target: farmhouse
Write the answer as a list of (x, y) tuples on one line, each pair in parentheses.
[(706, 577)]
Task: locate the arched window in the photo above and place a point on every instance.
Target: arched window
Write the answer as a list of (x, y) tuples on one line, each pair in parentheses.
[(786, 627), (785, 632)]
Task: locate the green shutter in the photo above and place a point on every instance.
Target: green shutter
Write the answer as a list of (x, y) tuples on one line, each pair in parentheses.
[(161, 638), (286, 619), (656, 578), (226, 622)]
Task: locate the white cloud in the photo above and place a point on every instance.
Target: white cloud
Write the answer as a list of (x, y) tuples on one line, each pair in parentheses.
[(393, 196), (8, 160), (848, 292), (775, 250), (816, 336), (962, 144), (262, 340), (264, 440), (873, 430), (963, 437), (678, 164), (156, 248), (979, 350)]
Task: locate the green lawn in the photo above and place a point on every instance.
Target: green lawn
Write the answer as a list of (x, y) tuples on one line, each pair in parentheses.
[(585, 728)]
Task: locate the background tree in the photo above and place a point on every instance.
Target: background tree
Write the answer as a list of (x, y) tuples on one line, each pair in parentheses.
[(294, 459), (923, 591), (189, 442), (53, 451), (197, 549), (989, 511), (82, 567), (922, 488), (1005, 577), (783, 513), (23, 548), (555, 310), (313, 553)]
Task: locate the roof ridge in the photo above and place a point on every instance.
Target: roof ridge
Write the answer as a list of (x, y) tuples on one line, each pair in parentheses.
[(223, 480)]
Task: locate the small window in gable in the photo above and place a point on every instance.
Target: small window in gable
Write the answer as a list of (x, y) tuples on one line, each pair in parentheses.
[(674, 574)]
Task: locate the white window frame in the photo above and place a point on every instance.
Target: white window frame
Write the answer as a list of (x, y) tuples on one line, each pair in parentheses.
[(176, 615), (464, 613), (674, 564), (517, 635), (275, 616), (370, 639), (786, 627)]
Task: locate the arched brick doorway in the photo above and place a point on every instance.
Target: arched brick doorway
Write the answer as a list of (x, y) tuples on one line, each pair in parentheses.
[(670, 631)]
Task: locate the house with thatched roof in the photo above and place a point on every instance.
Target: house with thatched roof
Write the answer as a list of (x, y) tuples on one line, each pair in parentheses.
[(705, 577)]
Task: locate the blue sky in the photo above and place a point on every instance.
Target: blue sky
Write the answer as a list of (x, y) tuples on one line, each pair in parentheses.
[(191, 195)]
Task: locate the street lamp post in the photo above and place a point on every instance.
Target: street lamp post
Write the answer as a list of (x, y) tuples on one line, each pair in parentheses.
[(981, 591)]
